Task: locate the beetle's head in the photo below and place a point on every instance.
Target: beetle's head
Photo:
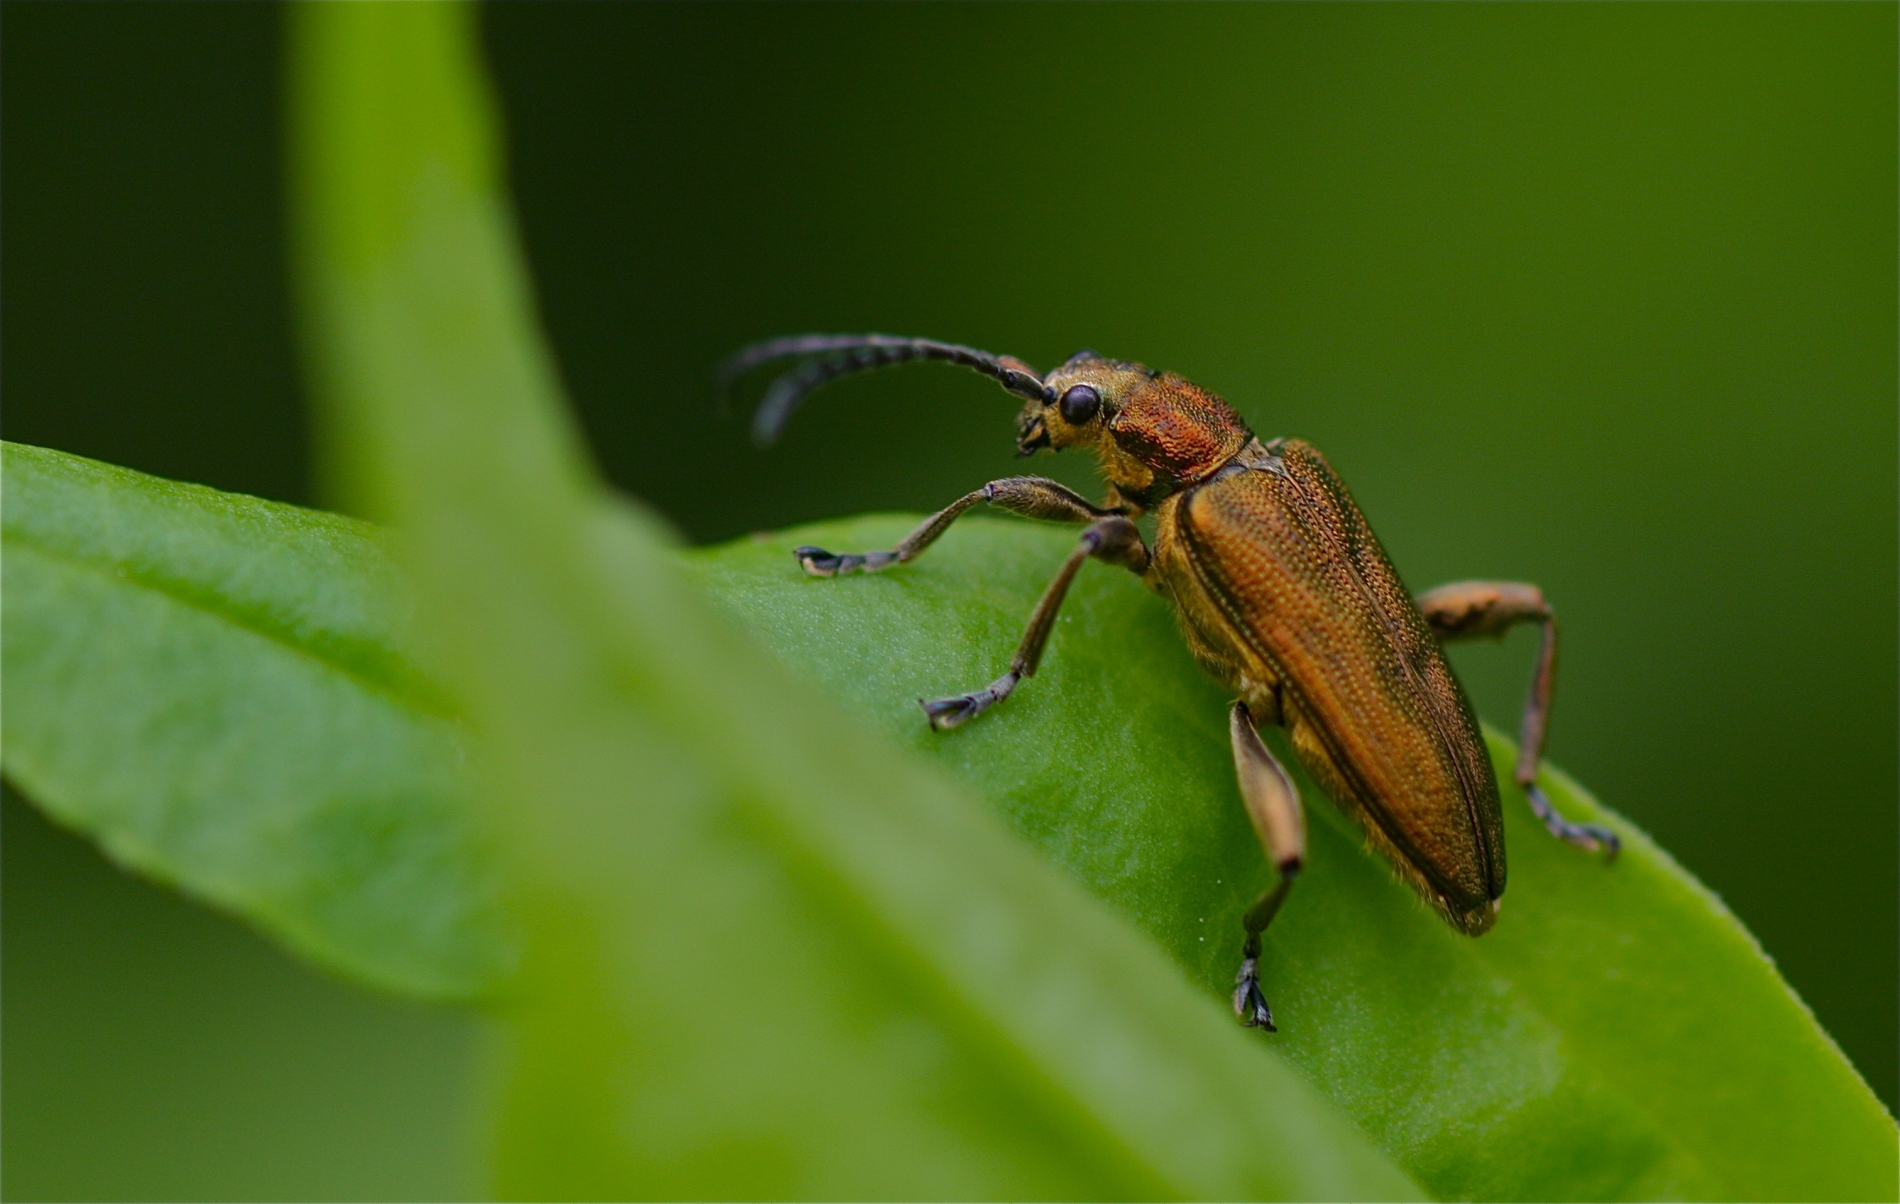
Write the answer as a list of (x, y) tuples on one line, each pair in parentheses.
[(1154, 431), (1078, 401)]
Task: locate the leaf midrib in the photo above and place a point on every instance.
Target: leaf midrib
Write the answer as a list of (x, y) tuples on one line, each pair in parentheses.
[(406, 686)]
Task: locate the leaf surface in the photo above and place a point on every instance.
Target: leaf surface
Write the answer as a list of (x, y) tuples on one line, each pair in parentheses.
[(216, 688), (1619, 1035)]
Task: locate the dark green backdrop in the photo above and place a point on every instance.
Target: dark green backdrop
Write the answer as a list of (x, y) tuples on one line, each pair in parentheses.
[(1601, 297)]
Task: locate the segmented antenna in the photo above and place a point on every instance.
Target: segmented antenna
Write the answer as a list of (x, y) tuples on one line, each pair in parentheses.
[(827, 356)]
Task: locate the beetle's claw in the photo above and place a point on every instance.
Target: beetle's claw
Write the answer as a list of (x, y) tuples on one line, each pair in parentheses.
[(1250, 1004), (817, 561), (1596, 838), (946, 713), (1591, 838)]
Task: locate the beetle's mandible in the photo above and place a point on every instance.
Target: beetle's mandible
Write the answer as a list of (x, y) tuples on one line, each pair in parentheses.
[(1283, 593)]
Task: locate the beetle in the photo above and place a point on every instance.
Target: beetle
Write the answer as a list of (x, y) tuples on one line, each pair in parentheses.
[(1283, 593)]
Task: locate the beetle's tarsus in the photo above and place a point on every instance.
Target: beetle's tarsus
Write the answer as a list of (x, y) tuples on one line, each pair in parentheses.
[(946, 713), (1250, 1004), (1592, 838), (820, 563)]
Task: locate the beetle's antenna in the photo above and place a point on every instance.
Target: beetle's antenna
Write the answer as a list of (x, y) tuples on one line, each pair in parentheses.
[(832, 355)]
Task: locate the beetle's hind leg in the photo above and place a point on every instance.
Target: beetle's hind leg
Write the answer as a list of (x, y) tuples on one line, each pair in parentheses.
[(1111, 538), (1031, 497), (1468, 609), (1273, 804)]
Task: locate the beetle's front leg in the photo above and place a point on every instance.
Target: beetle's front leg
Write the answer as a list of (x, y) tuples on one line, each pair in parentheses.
[(1273, 804), (1468, 609), (1031, 497), (1111, 538)]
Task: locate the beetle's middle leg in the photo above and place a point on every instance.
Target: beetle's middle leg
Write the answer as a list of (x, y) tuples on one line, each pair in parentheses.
[(1111, 538), (1273, 804), (1468, 609), (1031, 497)]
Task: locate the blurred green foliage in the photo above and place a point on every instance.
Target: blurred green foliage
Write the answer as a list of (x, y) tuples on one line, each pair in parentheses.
[(166, 1052), (763, 954), (1600, 297)]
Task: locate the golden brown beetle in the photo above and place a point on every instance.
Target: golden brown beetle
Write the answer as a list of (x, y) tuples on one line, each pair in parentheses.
[(1283, 593)]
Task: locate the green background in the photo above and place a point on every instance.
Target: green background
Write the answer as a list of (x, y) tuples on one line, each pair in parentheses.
[(1601, 297)]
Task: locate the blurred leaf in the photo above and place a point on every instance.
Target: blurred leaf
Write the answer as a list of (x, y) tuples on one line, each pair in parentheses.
[(214, 687), (764, 955), (1619, 1035)]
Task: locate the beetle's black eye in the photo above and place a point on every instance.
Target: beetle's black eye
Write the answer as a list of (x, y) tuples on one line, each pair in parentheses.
[(1079, 404)]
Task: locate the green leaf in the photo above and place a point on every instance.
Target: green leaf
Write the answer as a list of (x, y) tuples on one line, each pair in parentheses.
[(215, 687), (1619, 1035), (1508, 1067), (763, 954)]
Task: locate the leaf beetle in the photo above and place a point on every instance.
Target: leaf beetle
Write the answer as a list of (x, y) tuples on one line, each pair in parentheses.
[(1283, 593)]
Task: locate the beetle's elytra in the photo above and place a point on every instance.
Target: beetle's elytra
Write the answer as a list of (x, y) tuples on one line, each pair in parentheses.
[(1283, 593)]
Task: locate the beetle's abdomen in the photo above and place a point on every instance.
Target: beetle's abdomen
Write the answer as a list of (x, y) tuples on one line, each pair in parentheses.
[(1277, 568)]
